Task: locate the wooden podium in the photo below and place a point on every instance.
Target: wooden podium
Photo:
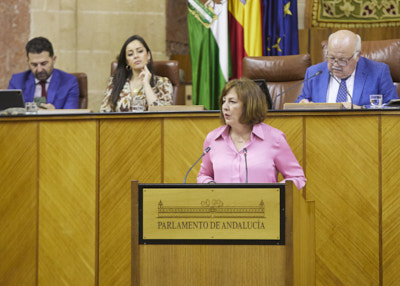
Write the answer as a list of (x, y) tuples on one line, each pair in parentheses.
[(193, 257)]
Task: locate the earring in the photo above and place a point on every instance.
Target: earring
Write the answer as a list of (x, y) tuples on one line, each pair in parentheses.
[(128, 67)]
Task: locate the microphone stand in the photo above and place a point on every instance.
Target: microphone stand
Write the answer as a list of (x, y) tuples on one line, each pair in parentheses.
[(245, 162), (293, 86), (202, 155)]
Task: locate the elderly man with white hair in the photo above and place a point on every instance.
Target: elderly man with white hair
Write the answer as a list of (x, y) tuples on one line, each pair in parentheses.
[(346, 72)]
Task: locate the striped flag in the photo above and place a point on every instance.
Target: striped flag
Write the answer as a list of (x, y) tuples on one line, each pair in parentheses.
[(209, 50), (245, 30)]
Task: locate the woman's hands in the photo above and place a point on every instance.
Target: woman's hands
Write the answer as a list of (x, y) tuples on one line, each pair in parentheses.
[(145, 76)]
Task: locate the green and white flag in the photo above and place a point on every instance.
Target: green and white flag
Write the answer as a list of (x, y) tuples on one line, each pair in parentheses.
[(209, 50)]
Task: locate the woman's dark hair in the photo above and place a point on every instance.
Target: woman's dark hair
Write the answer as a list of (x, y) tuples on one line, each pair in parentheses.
[(122, 74), (254, 102), (39, 45)]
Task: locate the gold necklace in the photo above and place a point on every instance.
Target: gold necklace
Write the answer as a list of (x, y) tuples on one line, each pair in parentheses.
[(136, 89)]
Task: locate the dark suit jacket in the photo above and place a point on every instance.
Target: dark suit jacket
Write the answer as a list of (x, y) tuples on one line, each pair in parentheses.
[(371, 78), (63, 91)]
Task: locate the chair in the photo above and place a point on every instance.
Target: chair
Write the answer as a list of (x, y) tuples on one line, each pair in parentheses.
[(169, 69), (83, 89), (387, 51), (281, 73)]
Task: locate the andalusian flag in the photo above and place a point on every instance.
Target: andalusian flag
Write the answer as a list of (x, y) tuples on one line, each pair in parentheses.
[(245, 29), (209, 51)]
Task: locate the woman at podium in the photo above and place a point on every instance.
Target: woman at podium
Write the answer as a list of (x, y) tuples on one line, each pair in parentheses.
[(244, 149)]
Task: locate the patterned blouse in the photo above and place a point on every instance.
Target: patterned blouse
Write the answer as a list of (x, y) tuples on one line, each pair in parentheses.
[(162, 89)]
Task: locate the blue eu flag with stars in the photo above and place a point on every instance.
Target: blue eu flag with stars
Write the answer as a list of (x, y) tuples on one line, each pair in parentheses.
[(280, 30)]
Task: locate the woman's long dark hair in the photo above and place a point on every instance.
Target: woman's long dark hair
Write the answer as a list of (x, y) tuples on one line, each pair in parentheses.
[(122, 74)]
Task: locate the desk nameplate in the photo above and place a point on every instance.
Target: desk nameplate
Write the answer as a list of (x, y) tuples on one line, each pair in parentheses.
[(215, 214)]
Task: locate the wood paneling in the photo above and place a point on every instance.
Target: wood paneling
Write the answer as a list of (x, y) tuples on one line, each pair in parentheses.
[(67, 203), (390, 200), (182, 146), (129, 150), (304, 42), (18, 203), (343, 178), (222, 265), (293, 128), (350, 159)]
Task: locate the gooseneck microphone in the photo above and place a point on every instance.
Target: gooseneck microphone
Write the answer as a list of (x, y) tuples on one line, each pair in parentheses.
[(202, 155), (344, 88), (293, 86), (245, 162)]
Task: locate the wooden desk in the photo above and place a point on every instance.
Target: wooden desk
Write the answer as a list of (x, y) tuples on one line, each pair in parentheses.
[(65, 190)]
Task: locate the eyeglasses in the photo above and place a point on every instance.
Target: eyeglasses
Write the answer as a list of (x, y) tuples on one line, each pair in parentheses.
[(340, 62)]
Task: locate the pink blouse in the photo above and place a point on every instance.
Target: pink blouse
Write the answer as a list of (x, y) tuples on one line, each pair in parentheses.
[(268, 153)]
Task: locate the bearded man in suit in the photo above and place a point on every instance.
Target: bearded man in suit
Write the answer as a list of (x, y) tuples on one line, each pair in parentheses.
[(57, 89)]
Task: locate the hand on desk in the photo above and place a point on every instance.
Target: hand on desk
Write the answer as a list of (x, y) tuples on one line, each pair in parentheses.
[(47, 106), (347, 105)]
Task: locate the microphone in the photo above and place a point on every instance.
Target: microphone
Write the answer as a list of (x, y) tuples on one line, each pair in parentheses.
[(293, 86), (202, 155), (245, 162), (341, 86)]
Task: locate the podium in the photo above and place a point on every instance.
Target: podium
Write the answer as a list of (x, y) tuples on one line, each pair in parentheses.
[(222, 234)]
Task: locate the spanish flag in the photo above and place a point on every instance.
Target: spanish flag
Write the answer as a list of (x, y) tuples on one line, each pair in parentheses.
[(245, 31)]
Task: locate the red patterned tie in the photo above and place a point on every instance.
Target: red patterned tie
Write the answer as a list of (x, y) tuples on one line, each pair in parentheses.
[(43, 85)]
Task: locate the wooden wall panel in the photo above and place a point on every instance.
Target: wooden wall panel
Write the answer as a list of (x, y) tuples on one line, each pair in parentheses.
[(222, 265), (304, 41), (129, 150), (67, 203), (293, 128), (18, 203), (343, 179), (340, 152), (390, 200), (184, 138)]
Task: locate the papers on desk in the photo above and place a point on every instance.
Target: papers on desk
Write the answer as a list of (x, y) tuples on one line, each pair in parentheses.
[(176, 108), (62, 111), (394, 103), (314, 105)]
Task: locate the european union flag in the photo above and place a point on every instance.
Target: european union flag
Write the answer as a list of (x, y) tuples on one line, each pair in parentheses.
[(280, 30)]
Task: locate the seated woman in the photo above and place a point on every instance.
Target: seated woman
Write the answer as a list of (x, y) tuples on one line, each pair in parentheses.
[(245, 149), (134, 80)]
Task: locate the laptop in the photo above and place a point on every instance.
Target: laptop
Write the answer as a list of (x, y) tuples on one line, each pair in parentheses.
[(11, 98), (263, 85)]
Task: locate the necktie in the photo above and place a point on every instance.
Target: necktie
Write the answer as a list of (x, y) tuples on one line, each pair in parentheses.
[(43, 85), (342, 94)]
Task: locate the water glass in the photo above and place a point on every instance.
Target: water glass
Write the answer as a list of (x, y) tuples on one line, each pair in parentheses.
[(31, 108), (138, 105), (375, 100)]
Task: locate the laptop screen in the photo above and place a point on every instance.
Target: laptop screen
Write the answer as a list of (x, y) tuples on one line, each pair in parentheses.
[(263, 85), (11, 98)]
